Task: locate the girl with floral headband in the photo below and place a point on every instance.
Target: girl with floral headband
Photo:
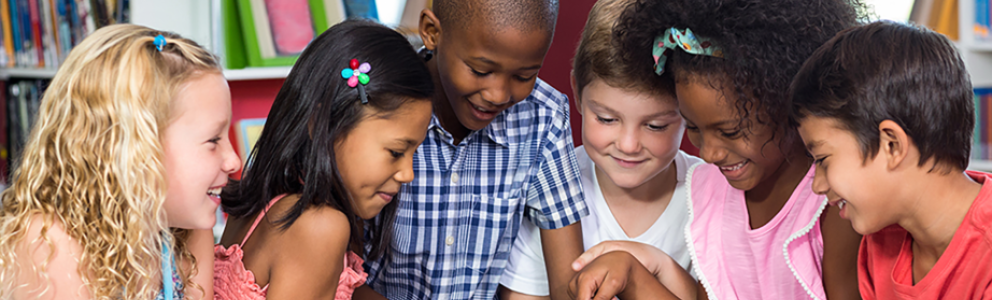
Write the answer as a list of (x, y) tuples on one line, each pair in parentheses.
[(337, 145), (756, 230), (129, 154)]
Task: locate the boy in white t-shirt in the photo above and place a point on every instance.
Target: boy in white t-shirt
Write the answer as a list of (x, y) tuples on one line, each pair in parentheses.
[(631, 168)]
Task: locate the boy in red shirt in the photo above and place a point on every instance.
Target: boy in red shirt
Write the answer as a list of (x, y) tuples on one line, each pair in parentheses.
[(887, 112)]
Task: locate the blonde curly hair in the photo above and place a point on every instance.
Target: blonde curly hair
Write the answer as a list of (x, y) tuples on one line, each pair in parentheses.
[(93, 162)]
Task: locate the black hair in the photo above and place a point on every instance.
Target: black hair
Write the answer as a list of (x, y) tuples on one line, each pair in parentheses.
[(764, 43), (498, 14), (891, 71), (316, 108)]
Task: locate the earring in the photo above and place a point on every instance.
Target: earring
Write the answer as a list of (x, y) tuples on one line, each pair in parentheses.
[(425, 54)]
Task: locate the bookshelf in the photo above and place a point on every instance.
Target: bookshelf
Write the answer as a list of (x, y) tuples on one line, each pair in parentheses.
[(977, 56), (251, 73)]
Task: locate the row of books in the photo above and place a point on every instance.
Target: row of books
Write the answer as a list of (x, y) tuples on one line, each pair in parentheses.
[(982, 140), (40, 33), (19, 103), (983, 20)]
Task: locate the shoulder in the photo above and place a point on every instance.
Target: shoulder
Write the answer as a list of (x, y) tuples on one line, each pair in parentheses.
[(684, 161), (320, 227), (52, 248), (544, 100)]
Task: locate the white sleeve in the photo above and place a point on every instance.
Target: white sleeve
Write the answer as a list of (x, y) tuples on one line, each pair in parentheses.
[(525, 271)]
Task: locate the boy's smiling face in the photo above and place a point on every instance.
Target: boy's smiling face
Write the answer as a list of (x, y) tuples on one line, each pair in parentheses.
[(856, 184), (481, 70)]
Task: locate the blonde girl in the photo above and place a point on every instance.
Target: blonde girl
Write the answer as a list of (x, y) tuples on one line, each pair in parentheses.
[(121, 174)]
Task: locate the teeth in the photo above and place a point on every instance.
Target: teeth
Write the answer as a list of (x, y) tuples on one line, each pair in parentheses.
[(734, 167), (214, 192), (480, 108), (841, 204)]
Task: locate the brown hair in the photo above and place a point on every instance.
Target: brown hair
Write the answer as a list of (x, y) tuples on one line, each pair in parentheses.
[(600, 56)]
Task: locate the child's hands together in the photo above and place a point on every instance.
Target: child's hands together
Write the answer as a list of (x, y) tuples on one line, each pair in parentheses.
[(612, 267)]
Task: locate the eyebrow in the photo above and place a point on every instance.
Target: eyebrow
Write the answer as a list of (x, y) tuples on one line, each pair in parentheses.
[(490, 62), (717, 124), (813, 145), (659, 114)]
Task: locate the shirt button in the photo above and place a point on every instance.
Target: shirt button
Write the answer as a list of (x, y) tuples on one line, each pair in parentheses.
[(450, 240), (454, 178)]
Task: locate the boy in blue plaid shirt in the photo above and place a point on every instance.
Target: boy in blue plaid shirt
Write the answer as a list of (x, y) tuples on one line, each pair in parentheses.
[(498, 151)]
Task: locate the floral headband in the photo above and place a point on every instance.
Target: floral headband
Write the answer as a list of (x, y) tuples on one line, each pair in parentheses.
[(358, 75), (682, 39)]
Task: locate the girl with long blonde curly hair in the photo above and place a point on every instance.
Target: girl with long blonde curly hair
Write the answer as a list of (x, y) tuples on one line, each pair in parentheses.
[(120, 179)]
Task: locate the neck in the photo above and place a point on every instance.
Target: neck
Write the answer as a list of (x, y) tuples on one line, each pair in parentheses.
[(658, 188), (442, 107), (778, 186), (937, 206)]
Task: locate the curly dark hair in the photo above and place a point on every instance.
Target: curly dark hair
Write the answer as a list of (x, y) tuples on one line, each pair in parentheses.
[(764, 43)]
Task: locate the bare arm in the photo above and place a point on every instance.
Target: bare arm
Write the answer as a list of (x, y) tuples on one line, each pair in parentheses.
[(840, 256), (365, 292), (310, 258), (201, 245), (508, 294), (561, 247), (63, 280)]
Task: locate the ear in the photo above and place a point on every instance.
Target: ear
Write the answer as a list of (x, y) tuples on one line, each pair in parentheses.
[(894, 144), (430, 29), (575, 91)]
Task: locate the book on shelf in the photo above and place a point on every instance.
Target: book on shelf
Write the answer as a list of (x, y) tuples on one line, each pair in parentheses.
[(40, 33), (982, 138), (940, 15), (248, 132)]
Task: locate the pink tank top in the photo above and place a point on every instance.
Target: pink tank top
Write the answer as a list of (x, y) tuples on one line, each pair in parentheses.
[(232, 281), (780, 260)]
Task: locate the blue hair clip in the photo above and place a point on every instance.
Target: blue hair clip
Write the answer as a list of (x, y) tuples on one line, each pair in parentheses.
[(159, 42)]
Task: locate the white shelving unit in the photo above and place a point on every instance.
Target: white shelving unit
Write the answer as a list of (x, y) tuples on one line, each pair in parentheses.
[(977, 56)]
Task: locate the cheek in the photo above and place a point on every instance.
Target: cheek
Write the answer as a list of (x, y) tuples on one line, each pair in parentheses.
[(594, 134), (664, 144)]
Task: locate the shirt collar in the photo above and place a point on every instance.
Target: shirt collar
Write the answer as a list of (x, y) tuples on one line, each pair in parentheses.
[(495, 131)]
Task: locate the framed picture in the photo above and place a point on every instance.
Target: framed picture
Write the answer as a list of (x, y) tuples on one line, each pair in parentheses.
[(248, 131), (275, 32)]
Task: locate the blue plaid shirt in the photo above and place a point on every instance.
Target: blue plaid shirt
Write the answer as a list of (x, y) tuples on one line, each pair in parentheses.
[(457, 220)]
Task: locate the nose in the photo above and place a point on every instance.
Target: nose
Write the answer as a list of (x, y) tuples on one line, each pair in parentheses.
[(820, 185), (499, 93), (629, 141), (405, 173), (710, 151), (232, 163)]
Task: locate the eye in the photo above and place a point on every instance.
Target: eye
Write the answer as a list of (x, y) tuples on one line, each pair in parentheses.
[(731, 134), (214, 140), (395, 154), (658, 128), (605, 120), (819, 161), (479, 74), (691, 128)]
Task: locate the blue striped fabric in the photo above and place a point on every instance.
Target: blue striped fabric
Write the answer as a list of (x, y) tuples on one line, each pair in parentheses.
[(457, 220)]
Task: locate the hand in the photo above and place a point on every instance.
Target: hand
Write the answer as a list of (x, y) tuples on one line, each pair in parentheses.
[(652, 258), (603, 278)]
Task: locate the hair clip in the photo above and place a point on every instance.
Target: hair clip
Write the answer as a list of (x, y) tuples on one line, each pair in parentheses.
[(159, 42), (357, 76), (675, 38)]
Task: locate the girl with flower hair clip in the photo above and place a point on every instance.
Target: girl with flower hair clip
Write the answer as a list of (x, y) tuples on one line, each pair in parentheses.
[(128, 155), (337, 145)]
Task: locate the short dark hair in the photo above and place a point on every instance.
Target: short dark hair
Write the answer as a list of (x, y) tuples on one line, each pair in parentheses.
[(891, 71), (498, 14), (313, 110), (600, 56)]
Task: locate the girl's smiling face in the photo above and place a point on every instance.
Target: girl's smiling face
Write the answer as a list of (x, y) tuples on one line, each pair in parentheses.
[(198, 153), (746, 156)]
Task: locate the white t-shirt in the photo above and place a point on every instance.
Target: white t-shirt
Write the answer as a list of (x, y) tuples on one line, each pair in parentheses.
[(526, 272)]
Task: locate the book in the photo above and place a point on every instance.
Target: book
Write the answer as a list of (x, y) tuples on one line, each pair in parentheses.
[(361, 9), (8, 34), (248, 132), (290, 23), (263, 31), (334, 13)]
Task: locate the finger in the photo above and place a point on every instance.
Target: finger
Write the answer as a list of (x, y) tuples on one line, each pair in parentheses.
[(610, 287), (585, 285), (590, 255)]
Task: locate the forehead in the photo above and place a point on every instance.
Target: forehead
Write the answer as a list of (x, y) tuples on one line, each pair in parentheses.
[(599, 93), (502, 44), (820, 131), (704, 102), (206, 94)]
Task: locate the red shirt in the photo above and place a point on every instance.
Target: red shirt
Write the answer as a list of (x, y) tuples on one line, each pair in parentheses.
[(964, 271)]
